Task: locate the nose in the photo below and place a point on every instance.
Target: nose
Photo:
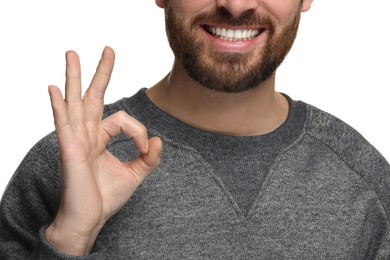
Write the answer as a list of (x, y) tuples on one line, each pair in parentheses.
[(237, 7)]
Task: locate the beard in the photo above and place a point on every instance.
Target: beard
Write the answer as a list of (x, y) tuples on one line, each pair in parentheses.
[(223, 71)]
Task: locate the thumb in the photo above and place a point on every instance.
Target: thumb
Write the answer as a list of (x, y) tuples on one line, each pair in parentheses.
[(142, 166), (153, 156)]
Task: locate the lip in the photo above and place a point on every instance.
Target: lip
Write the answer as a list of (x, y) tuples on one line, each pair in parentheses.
[(238, 46)]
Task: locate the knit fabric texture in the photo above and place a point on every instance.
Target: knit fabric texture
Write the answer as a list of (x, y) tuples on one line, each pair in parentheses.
[(312, 189)]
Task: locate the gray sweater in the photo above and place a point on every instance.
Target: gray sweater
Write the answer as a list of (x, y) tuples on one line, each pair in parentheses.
[(312, 189)]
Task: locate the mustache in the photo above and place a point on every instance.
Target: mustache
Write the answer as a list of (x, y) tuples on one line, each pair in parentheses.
[(223, 16)]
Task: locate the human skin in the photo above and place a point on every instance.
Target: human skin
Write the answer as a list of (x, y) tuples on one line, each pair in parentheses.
[(95, 184), (221, 51), (90, 172), (253, 112)]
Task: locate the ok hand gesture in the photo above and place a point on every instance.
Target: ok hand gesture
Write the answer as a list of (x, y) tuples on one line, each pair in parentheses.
[(95, 184)]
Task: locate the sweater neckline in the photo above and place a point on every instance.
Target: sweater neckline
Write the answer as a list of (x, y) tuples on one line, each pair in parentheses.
[(171, 128)]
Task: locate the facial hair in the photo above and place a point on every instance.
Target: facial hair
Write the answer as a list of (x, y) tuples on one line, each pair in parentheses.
[(222, 71)]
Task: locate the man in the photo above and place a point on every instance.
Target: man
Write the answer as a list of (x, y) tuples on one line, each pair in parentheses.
[(245, 172)]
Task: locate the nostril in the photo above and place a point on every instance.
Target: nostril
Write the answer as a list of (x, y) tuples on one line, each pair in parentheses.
[(236, 8), (223, 12), (223, 15)]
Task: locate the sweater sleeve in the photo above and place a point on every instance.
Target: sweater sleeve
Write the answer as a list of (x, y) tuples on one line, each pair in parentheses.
[(45, 251), (364, 159), (355, 151), (29, 204)]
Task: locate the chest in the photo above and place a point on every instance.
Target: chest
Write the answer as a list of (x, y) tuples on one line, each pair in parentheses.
[(185, 211)]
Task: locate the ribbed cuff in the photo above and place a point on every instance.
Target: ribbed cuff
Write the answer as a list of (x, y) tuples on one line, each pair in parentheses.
[(45, 251)]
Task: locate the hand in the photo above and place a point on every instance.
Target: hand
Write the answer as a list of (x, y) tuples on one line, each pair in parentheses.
[(95, 184)]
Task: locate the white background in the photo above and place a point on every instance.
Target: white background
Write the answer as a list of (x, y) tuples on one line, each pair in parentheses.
[(340, 62)]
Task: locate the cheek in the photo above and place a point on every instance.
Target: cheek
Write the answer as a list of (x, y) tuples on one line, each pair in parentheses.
[(189, 8), (283, 11)]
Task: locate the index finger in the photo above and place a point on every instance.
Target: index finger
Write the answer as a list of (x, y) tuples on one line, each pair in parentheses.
[(94, 96)]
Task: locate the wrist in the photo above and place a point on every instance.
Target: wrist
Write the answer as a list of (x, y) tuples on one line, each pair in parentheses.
[(69, 242)]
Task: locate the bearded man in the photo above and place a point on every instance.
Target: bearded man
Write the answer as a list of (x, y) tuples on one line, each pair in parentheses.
[(245, 172)]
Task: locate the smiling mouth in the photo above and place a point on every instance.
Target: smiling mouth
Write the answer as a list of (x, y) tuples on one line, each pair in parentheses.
[(233, 35)]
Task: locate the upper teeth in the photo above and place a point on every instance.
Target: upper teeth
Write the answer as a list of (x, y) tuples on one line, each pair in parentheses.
[(233, 35)]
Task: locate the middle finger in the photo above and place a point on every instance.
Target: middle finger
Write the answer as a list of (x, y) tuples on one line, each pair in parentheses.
[(73, 89)]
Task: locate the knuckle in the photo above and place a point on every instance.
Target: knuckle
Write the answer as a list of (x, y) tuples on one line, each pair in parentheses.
[(122, 115), (130, 124), (143, 129), (140, 131)]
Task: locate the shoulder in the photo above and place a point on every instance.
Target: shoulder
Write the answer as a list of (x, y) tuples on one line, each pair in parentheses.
[(343, 139), (133, 105), (42, 162), (351, 147)]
